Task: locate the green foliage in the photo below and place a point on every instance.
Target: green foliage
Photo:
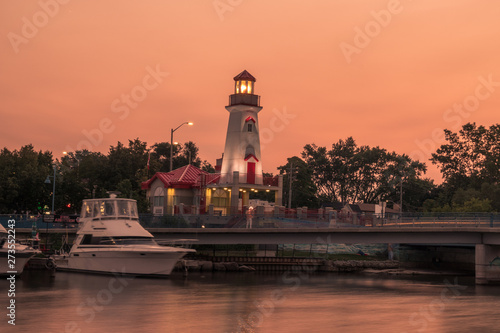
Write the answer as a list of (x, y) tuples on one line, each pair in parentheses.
[(470, 165), (22, 176), (181, 155), (83, 174), (465, 200), (304, 190), (475, 205), (352, 173), (470, 157)]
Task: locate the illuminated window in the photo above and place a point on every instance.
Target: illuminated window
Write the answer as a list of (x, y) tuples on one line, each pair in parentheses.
[(123, 207), (244, 87)]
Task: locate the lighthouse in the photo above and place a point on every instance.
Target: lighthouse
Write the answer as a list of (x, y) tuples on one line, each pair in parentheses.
[(238, 179), (242, 148)]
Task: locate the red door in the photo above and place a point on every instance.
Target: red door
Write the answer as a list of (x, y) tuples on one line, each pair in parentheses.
[(251, 173)]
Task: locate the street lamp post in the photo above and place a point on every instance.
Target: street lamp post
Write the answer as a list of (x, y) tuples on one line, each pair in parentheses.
[(47, 181), (401, 198), (172, 140)]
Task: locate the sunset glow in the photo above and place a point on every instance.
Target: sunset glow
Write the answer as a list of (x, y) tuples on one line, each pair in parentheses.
[(394, 74)]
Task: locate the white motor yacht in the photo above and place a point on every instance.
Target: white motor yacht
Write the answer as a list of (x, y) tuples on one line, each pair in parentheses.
[(111, 240), (13, 262)]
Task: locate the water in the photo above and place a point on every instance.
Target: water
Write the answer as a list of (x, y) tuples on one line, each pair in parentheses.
[(251, 302)]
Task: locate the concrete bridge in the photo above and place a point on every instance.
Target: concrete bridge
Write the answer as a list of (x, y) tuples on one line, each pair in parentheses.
[(482, 233), (485, 239)]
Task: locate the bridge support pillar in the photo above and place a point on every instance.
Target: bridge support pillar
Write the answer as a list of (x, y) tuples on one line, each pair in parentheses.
[(487, 271)]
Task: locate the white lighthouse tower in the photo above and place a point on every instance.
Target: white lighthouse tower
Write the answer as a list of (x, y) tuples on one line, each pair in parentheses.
[(242, 150)]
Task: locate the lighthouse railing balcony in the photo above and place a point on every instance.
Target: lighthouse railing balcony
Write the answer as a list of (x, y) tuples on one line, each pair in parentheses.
[(227, 178), (244, 99), (257, 179)]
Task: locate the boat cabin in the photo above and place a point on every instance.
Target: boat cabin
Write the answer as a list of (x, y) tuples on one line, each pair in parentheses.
[(109, 209)]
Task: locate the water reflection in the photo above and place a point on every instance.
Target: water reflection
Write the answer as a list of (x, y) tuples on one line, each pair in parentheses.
[(252, 302)]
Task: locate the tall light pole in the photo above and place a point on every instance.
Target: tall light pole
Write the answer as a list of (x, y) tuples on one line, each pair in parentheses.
[(47, 181), (172, 140), (290, 186), (401, 198)]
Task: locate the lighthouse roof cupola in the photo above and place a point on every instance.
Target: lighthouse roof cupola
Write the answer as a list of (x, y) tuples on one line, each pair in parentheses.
[(244, 90)]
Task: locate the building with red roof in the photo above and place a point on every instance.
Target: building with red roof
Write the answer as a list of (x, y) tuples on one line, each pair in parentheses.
[(185, 185)]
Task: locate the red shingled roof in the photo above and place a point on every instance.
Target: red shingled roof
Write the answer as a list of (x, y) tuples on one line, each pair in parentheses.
[(187, 176), (244, 76)]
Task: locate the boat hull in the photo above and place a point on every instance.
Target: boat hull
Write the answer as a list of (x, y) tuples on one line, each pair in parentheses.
[(21, 258), (126, 262)]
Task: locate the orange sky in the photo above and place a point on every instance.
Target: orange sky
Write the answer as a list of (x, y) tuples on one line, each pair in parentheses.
[(66, 70)]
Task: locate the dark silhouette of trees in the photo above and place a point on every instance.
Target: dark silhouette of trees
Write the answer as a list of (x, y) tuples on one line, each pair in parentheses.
[(349, 173), (470, 164), (83, 174), (304, 190), (22, 176)]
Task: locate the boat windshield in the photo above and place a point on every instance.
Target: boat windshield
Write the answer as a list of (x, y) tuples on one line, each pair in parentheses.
[(109, 209)]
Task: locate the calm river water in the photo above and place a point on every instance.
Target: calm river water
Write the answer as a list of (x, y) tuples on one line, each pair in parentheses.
[(251, 302)]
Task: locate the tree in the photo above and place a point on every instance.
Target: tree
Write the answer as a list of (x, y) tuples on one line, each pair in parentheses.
[(127, 170), (470, 165), (160, 156), (181, 155), (352, 173), (304, 189), (83, 174), (22, 180), (470, 157)]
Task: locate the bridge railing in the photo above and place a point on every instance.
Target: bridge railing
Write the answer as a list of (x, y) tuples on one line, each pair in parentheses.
[(448, 220), (287, 219), (34, 222)]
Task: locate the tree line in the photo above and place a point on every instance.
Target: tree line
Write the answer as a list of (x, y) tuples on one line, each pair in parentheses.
[(84, 174), (469, 162)]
